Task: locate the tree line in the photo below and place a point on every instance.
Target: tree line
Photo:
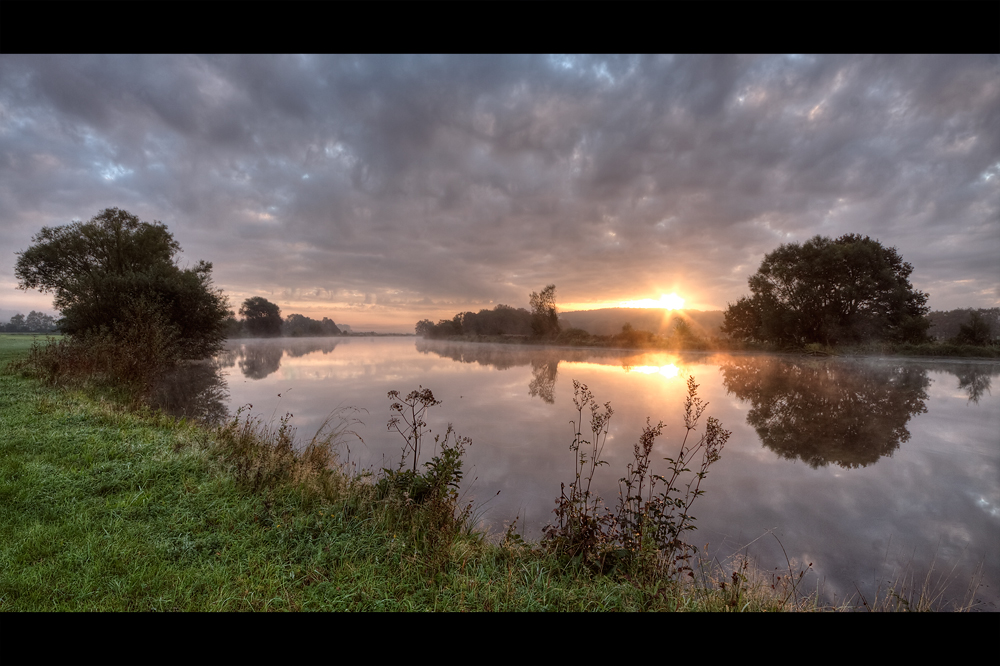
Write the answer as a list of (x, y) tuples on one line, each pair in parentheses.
[(35, 322), (966, 326), (541, 322), (260, 318)]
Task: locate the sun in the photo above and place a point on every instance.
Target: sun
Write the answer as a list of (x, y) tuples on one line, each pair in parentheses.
[(667, 301)]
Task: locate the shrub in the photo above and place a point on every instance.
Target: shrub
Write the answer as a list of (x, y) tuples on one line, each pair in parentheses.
[(132, 357), (643, 536)]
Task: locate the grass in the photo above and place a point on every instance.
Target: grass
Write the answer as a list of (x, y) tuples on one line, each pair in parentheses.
[(109, 508)]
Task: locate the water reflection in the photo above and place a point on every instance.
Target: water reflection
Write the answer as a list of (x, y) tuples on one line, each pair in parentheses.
[(259, 358), (543, 379), (825, 411), (544, 362), (195, 390), (973, 378)]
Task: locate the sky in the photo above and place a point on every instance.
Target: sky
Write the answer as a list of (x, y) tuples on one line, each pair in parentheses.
[(382, 190)]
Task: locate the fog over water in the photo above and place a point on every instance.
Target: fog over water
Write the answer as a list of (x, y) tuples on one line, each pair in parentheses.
[(861, 467)]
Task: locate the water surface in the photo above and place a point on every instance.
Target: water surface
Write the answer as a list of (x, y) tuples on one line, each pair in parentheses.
[(866, 468)]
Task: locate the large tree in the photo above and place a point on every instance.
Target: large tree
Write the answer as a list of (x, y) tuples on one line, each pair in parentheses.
[(115, 269), (261, 317), (831, 291)]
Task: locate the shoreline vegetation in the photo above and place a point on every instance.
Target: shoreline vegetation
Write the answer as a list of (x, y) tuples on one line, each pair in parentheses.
[(110, 506)]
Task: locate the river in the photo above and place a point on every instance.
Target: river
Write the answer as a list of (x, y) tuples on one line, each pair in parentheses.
[(869, 469)]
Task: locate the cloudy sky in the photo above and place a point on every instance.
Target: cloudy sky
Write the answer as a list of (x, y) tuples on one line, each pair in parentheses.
[(378, 191)]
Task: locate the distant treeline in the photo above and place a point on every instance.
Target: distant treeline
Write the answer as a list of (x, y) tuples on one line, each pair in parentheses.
[(947, 325), (292, 326), (260, 318), (35, 322), (542, 322), (501, 320)]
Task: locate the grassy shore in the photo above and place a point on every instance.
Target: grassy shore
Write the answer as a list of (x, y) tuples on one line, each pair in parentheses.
[(108, 508)]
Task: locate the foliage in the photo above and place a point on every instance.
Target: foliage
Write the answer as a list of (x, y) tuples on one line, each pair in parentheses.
[(643, 536), (427, 501), (501, 320), (830, 291), (296, 325), (945, 325), (132, 357), (104, 271), (544, 319), (976, 332), (35, 322), (234, 326), (261, 317)]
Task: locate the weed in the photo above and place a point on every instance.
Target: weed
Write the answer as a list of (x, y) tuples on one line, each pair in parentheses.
[(643, 536), (425, 502)]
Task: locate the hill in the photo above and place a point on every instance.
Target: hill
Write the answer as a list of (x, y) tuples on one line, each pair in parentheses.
[(608, 321)]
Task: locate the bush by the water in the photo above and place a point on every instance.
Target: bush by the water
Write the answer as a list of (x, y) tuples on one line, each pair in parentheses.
[(642, 537)]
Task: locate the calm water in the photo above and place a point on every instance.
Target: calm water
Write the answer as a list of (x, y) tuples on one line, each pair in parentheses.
[(864, 468)]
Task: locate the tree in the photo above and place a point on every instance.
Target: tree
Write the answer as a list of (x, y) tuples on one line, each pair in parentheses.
[(116, 272), (38, 322), (261, 317), (544, 320), (845, 290), (976, 332)]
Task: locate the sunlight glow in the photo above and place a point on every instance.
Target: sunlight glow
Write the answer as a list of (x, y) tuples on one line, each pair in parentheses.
[(668, 302), (667, 371)]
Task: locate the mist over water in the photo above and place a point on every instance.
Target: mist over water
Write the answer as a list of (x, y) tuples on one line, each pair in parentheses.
[(866, 468)]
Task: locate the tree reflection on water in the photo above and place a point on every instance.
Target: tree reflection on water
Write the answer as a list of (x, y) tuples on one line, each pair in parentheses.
[(973, 378), (194, 390), (825, 411), (259, 358), (544, 362)]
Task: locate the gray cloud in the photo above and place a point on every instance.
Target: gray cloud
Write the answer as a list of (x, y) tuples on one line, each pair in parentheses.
[(382, 190)]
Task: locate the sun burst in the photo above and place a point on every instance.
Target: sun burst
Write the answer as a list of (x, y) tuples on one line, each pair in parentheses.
[(667, 301)]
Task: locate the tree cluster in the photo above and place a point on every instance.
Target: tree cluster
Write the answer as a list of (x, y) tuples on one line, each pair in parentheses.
[(542, 321), (501, 320), (262, 319), (35, 322), (116, 275), (966, 326), (851, 289)]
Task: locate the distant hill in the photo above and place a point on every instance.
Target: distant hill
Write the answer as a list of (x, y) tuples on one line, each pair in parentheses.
[(608, 321)]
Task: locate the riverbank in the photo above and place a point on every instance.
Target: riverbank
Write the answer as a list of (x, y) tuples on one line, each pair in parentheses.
[(111, 509)]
